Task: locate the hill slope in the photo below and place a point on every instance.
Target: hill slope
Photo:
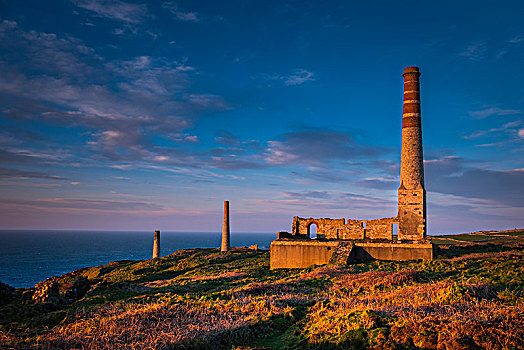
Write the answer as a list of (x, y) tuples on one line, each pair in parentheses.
[(471, 296)]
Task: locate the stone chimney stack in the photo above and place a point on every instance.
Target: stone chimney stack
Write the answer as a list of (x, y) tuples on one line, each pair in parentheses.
[(156, 245), (225, 247), (411, 193)]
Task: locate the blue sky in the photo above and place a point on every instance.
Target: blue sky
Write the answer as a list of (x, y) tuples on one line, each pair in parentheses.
[(129, 115)]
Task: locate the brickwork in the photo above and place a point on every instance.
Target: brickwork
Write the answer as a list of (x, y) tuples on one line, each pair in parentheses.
[(225, 245), (380, 228), (411, 193), (339, 229)]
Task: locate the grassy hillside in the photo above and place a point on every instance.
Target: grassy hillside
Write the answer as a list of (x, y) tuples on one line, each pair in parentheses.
[(471, 296)]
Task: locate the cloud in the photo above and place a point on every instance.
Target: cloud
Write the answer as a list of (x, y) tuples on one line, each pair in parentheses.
[(475, 51), (327, 201), (379, 183), (510, 127), (306, 195), (296, 77), (449, 175), (322, 175), (41, 156), (207, 101), (7, 173), (115, 9), (186, 138), (484, 113), (516, 39), (313, 147), (118, 107), (234, 162), (179, 13), (48, 204), (226, 138)]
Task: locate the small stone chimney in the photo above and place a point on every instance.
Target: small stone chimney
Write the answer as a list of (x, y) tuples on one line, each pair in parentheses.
[(156, 245), (225, 247)]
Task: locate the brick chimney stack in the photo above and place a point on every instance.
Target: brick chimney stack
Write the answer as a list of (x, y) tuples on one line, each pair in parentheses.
[(411, 193), (225, 246)]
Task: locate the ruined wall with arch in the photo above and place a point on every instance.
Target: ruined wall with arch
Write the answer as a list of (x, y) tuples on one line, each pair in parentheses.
[(340, 229)]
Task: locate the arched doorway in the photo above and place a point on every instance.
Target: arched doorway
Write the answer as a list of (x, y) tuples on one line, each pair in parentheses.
[(312, 228)]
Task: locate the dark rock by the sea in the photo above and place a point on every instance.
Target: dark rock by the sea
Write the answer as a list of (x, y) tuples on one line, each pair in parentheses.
[(7, 294)]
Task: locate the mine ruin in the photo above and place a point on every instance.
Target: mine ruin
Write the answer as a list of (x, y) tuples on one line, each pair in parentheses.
[(342, 241)]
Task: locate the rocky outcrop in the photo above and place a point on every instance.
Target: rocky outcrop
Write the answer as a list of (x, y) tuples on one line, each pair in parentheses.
[(7, 294), (47, 291), (78, 289)]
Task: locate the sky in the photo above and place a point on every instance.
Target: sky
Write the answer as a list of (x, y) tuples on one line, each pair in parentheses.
[(143, 115)]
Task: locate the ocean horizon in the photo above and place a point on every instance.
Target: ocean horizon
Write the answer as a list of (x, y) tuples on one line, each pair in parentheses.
[(30, 256)]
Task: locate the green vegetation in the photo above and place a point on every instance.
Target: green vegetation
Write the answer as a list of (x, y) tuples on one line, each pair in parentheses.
[(471, 296)]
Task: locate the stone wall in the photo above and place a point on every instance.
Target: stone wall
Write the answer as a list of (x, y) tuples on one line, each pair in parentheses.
[(392, 251), (380, 228), (339, 229), (412, 214), (301, 254)]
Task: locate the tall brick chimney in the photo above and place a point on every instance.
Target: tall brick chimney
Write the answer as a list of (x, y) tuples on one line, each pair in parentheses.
[(411, 193), (225, 246)]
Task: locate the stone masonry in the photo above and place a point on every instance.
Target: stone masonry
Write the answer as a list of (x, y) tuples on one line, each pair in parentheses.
[(156, 245), (225, 245), (411, 193), (340, 229)]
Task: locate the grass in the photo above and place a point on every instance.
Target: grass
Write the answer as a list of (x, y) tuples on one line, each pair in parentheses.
[(472, 296)]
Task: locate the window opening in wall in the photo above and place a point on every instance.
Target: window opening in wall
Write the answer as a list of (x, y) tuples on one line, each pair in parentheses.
[(394, 230), (312, 230)]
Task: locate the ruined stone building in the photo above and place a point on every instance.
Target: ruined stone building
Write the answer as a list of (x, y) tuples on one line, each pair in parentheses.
[(342, 240)]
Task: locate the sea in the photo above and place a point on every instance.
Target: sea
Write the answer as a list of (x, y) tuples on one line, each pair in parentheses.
[(28, 257)]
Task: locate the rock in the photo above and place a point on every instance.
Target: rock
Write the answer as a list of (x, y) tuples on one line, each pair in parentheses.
[(47, 291), (80, 287), (7, 294)]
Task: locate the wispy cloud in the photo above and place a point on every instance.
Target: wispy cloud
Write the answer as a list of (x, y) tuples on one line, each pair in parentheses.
[(11, 173), (179, 13), (449, 175), (511, 127), (484, 113), (475, 51), (115, 9), (311, 147), (296, 77), (516, 39), (118, 106)]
